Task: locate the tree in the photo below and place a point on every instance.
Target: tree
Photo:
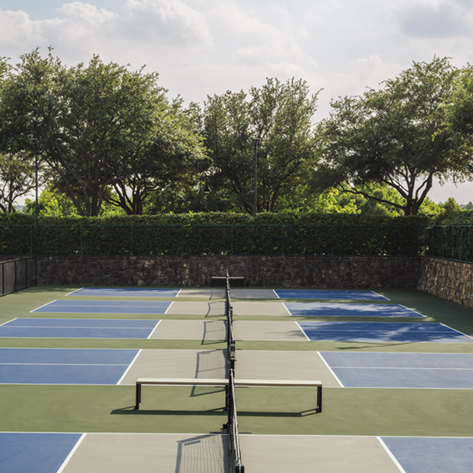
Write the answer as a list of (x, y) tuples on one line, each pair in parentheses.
[(280, 116), (168, 162), (92, 122), (393, 136), (17, 179)]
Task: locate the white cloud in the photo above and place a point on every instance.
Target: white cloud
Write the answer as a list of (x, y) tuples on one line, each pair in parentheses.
[(171, 21)]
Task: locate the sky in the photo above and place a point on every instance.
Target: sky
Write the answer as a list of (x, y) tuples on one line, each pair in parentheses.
[(206, 47)]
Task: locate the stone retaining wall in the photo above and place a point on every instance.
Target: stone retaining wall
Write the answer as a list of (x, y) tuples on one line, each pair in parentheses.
[(294, 272), (449, 280)]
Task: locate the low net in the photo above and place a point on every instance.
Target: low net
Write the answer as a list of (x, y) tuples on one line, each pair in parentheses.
[(232, 426), (229, 315)]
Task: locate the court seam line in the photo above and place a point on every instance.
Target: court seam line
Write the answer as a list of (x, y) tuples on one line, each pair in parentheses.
[(44, 305), (71, 453), (154, 330), (330, 369), (391, 455), (129, 367), (303, 331)]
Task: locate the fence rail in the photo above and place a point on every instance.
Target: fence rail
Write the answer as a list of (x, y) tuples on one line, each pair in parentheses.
[(17, 274), (212, 240)]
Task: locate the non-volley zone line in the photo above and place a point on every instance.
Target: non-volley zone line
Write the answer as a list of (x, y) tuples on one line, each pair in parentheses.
[(345, 309), (124, 292), (402, 370), (64, 365), (105, 307), (383, 332), (327, 294), (78, 328)]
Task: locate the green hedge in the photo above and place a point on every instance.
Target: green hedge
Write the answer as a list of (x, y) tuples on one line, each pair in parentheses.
[(213, 234)]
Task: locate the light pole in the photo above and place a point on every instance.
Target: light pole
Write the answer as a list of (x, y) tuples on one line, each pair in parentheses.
[(35, 141), (255, 164)]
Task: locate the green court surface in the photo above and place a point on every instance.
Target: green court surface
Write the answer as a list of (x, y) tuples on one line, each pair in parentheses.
[(281, 411)]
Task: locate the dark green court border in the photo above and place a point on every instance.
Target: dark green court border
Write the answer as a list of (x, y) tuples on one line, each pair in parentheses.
[(347, 411)]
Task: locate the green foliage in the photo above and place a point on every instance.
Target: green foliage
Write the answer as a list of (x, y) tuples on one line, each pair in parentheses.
[(275, 123), (213, 234), (393, 136)]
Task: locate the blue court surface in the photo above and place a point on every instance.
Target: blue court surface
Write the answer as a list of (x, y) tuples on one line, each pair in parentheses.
[(432, 454), (125, 292), (105, 307), (321, 309), (35, 452), (382, 332), (63, 365), (402, 370), (78, 328), (328, 294)]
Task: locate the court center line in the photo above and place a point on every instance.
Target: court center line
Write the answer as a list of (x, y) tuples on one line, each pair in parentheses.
[(330, 369), (391, 456), (129, 367), (71, 453)]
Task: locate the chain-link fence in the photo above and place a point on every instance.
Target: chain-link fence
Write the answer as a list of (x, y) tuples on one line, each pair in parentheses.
[(17, 274)]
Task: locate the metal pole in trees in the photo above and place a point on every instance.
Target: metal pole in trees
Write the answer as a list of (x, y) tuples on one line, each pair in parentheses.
[(255, 201)]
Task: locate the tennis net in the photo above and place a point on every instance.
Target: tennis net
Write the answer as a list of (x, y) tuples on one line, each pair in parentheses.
[(232, 426)]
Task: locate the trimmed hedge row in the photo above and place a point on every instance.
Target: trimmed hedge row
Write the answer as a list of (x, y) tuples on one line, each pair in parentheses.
[(213, 234)]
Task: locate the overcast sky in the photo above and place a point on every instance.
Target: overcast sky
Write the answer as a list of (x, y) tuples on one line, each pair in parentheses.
[(205, 47)]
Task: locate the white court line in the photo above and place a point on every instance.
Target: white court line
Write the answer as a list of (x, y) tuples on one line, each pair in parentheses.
[(8, 321), (77, 290), (393, 458), (62, 364), (380, 295), (458, 331), (129, 367), (277, 295), (154, 330), (71, 453), (330, 369), (288, 311), (44, 305), (303, 331), (169, 307), (178, 292)]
